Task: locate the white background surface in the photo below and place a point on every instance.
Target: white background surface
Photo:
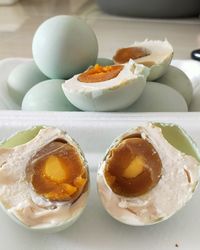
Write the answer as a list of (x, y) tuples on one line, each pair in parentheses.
[(96, 229)]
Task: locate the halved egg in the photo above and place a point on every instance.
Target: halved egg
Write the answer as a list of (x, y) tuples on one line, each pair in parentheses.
[(43, 179), (148, 174), (106, 88), (156, 55)]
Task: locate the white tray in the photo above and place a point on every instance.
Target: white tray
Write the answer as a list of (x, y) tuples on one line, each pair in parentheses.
[(96, 229), (190, 67)]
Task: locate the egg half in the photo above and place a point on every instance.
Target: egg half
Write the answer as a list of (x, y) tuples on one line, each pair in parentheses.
[(156, 55), (148, 174), (106, 88), (43, 179)]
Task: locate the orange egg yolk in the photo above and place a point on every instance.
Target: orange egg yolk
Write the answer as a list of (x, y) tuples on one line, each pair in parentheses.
[(133, 167), (100, 73), (57, 172), (125, 54)]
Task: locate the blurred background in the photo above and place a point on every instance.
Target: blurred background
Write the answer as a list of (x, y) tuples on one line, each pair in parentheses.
[(116, 23)]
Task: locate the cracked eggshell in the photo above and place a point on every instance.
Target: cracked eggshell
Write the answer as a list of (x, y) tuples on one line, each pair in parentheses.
[(178, 80), (176, 151), (116, 93), (27, 208)]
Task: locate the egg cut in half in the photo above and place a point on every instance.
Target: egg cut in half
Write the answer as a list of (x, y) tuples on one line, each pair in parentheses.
[(148, 174), (43, 179), (106, 88), (156, 55)]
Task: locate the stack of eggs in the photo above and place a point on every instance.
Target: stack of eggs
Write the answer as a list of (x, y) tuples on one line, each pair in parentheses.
[(66, 74)]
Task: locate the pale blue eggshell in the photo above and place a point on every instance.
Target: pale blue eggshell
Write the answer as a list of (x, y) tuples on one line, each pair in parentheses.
[(177, 79), (158, 97), (22, 78), (64, 46), (104, 61), (47, 96)]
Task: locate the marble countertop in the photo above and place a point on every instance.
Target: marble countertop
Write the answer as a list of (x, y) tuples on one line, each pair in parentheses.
[(19, 22)]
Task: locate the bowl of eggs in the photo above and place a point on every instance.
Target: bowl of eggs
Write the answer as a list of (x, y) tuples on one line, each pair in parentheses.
[(66, 75)]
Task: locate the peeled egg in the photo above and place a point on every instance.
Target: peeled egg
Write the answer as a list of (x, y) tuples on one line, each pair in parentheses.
[(104, 61), (156, 55), (106, 88), (158, 97), (64, 46), (22, 78), (177, 79), (47, 96), (148, 174), (44, 179)]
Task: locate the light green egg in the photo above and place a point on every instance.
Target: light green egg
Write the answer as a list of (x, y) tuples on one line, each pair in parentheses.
[(158, 97), (104, 61), (177, 79), (64, 46), (22, 78), (47, 96)]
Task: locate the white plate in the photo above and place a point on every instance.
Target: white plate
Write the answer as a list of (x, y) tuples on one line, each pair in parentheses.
[(96, 229), (190, 67)]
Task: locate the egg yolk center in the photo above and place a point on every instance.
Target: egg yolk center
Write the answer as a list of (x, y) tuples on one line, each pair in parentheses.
[(57, 173), (100, 73), (133, 167), (125, 54)]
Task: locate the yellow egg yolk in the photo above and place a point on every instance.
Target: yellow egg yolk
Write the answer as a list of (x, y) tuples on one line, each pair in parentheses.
[(57, 172), (125, 54), (100, 73), (133, 167)]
